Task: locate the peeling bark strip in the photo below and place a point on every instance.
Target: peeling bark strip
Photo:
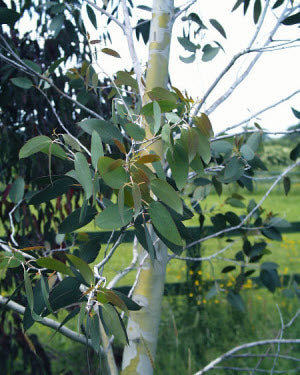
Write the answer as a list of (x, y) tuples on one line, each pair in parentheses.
[(138, 356)]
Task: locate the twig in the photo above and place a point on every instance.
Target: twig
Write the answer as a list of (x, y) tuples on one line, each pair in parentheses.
[(258, 113), (241, 78), (128, 31), (107, 14), (47, 322), (285, 172), (184, 9), (280, 337), (125, 271), (216, 361), (62, 124), (137, 275), (11, 220)]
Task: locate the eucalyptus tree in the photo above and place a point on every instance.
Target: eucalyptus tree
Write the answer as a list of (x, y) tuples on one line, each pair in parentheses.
[(144, 164)]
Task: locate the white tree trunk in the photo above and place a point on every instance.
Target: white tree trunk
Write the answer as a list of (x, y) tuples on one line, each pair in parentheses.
[(143, 325)]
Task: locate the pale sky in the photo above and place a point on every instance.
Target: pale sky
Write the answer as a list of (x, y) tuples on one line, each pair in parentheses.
[(276, 74)]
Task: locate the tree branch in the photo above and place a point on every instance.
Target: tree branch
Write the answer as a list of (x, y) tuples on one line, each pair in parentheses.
[(184, 9), (271, 106), (107, 14), (48, 322), (212, 364)]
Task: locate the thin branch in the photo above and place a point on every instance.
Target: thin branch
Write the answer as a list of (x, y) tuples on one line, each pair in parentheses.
[(271, 106), (184, 9), (205, 258), (125, 271), (227, 230), (128, 31), (62, 124), (137, 275), (252, 369), (280, 337), (216, 361), (48, 322), (260, 23), (270, 355), (284, 132), (11, 220), (107, 14), (11, 250), (241, 78), (110, 254)]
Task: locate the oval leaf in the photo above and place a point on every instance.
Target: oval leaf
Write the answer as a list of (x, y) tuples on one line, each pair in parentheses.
[(111, 219), (167, 194), (54, 265), (83, 268)]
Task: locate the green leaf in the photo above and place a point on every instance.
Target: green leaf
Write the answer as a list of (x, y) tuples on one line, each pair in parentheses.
[(113, 174), (296, 113), (54, 150), (228, 269), (187, 44), (167, 194), (164, 223), (188, 60), (203, 124), (221, 147), (235, 202), (72, 222), (236, 301), (83, 174), (254, 141), (55, 64), (157, 117), (54, 190), (94, 331), (131, 305), (71, 142), (113, 298), (135, 131), (160, 93), (165, 106), (92, 16), (33, 65), (137, 198), (269, 266), (54, 265), (209, 52), (292, 20), (83, 268), (113, 323), (279, 222), (89, 250), (269, 277), (96, 148), (278, 4), (256, 11), (124, 78), (34, 145), (107, 130), (232, 218), (286, 185), (204, 147), (166, 134), (110, 217), (218, 27), (295, 153), (56, 24), (28, 290), (66, 319), (179, 164), (247, 152), (45, 293), (22, 82), (16, 191), (272, 233), (8, 16), (233, 170)]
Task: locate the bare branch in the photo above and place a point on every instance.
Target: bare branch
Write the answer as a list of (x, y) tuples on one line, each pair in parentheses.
[(227, 230), (184, 9), (62, 124), (216, 361), (241, 78), (283, 132), (107, 14), (128, 31), (125, 271), (11, 220), (271, 106), (47, 322)]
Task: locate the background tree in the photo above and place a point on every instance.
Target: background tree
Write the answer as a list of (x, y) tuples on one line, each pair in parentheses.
[(145, 159)]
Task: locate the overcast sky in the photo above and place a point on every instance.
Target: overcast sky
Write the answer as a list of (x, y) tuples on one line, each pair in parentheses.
[(276, 74)]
